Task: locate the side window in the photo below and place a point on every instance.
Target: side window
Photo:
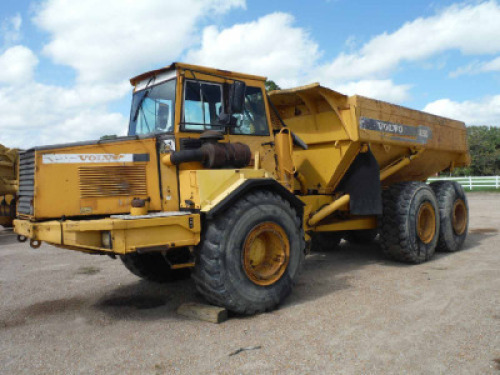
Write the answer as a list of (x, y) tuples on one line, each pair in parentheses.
[(202, 105), (253, 120)]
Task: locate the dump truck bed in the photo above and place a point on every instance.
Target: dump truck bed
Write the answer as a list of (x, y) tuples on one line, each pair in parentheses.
[(391, 129), (335, 126), (8, 178)]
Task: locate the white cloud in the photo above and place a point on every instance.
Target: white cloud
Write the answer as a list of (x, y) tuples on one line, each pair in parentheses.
[(485, 111), (11, 29), (271, 46), (477, 67), (383, 89), (35, 113), (17, 65), (492, 66), (106, 43), (104, 40), (470, 28)]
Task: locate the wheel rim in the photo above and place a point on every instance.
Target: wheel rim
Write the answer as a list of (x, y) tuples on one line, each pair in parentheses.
[(459, 217), (426, 223), (266, 253)]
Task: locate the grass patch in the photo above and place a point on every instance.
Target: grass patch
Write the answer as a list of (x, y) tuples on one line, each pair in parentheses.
[(88, 270), (481, 190)]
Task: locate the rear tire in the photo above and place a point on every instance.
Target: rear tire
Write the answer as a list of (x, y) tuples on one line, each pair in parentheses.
[(453, 213), (154, 267), (325, 241), (259, 224), (410, 222)]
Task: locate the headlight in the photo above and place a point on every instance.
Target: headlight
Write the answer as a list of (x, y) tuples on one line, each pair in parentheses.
[(106, 239)]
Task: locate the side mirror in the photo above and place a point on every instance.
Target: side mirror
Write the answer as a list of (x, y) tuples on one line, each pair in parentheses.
[(237, 97), (227, 120), (162, 116)]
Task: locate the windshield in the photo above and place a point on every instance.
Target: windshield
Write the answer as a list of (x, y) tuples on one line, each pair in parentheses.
[(153, 109)]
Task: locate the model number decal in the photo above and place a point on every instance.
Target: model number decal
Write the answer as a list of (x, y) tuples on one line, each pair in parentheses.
[(418, 134), (86, 158)]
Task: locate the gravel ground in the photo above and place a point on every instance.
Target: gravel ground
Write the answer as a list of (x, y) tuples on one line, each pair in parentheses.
[(352, 312)]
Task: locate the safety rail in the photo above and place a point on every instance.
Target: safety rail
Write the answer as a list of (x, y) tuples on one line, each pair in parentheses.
[(473, 182)]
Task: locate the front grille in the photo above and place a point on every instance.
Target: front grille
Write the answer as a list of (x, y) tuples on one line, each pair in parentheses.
[(26, 182), (112, 181)]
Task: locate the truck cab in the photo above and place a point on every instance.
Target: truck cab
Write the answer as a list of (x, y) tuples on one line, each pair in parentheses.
[(79, 195)]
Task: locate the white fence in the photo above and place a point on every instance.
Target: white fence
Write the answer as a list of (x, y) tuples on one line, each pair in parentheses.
[(473, 182)]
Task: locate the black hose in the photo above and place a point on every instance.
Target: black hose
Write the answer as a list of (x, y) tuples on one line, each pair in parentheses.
[(185, 156)]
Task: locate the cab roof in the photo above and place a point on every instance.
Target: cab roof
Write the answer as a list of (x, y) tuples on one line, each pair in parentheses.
[(196, 68)]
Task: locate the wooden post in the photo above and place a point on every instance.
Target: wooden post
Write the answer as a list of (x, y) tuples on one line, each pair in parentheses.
[(207, 313)]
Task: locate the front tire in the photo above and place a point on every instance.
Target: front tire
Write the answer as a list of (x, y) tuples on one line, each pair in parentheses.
[(409, 227), (154, 267), (251, 254), (453, 213)]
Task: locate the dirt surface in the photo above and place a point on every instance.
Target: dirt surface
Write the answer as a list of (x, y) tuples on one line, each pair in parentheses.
[(352, 312)]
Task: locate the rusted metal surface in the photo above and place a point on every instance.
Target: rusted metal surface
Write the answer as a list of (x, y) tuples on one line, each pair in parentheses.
[(426, 223), (266, 253), (214, 155), (459, 219)]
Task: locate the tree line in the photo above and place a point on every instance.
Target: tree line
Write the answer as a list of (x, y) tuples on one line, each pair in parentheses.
[(484, 145)]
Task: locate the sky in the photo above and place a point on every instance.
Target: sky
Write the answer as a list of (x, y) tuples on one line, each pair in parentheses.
[(65, 65)]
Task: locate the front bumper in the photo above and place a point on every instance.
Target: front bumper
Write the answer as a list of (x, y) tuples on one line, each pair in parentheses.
[(124, 235)]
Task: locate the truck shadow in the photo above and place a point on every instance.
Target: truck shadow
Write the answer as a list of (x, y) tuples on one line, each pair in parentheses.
[(7, 236), (144, 300), (328, 272), (324, 273), (473, 240)]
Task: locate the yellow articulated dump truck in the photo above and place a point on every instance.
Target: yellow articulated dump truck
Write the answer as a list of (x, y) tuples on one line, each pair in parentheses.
[(220, 180), (8, 185)]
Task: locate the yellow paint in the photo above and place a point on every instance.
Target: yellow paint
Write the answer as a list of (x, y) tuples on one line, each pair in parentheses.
[(127, 235), (206, 188), (138, 211), (284, 155), (336, 205), (327, 121), (8, 172), (58, 188), (352, 223), (266, 253)]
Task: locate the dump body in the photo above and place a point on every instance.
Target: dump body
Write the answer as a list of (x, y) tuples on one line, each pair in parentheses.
[(8, 177), (335, 127), (8, 184), (391, 129)]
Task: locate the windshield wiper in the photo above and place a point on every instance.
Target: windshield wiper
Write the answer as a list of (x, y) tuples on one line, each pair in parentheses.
[(145, 94), (139, 105)]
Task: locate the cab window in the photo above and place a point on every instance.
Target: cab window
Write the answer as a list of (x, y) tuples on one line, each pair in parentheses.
[(202, 106), (253, 120)]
